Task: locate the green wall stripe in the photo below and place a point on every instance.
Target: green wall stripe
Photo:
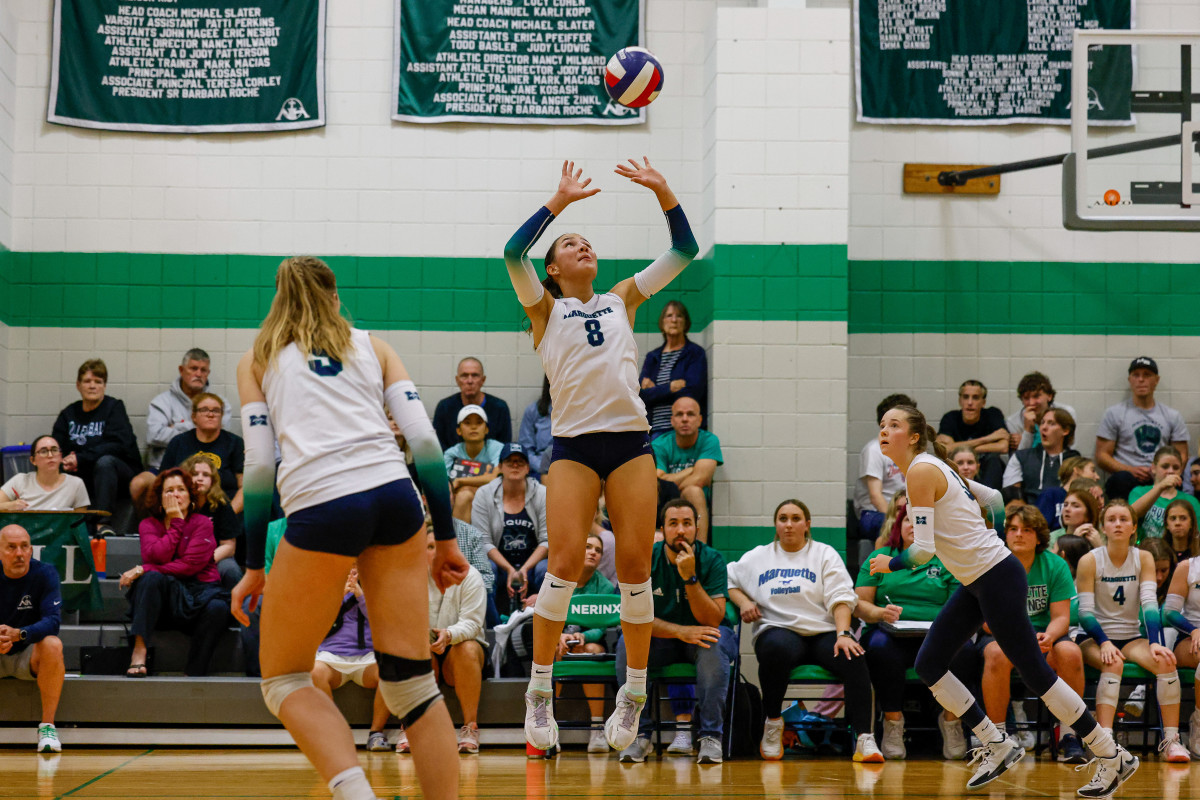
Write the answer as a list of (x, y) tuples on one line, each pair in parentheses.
[(732, 541), (802, 282)]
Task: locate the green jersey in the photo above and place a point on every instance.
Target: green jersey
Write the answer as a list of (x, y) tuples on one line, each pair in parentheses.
[(1049, 581), (921, 592)]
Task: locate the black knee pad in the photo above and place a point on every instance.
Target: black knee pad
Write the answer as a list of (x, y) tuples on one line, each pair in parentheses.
[(395, 668)]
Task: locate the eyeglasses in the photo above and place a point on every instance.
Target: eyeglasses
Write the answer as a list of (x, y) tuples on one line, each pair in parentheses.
[(212, 412), (47, 451)]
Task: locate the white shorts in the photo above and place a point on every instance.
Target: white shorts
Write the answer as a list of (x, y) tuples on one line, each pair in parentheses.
[(351, 668), (17, 665)]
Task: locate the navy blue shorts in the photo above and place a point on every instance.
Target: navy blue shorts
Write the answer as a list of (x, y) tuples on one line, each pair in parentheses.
[(385, 515), (601, 452)]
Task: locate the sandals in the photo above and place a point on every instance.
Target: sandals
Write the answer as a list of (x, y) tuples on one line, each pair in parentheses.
[(136, 671)]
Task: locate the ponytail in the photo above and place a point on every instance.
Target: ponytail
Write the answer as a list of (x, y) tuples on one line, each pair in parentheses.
[(939, 449), (928, 436)]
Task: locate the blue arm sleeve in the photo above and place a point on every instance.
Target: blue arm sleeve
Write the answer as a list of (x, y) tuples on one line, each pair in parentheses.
[(516, 257), (1178, 621), (682, 238), (50, 608)]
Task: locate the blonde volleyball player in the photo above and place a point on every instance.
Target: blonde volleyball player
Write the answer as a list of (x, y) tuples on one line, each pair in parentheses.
[(946, 523), (585, 341), (1182, 611), (319, 386)]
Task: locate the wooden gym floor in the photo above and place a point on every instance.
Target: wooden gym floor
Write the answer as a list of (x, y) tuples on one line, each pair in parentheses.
[(174, 774)]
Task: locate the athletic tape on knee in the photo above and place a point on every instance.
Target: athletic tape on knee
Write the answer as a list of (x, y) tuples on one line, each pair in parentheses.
[(1066, 706), (1168, 689), (554, 598), (1108, 689), (953, 696), (637, 603), (275, 690)]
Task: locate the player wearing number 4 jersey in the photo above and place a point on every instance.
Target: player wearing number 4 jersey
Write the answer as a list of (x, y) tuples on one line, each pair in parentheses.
[(599, 426), (947, 523)]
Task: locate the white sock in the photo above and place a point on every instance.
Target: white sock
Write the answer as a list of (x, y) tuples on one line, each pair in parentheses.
[(1101, 742), (539, 678), (988, 732), (351, 784), (635, 680), (1170, 732), (597, 719), (1065, 730)]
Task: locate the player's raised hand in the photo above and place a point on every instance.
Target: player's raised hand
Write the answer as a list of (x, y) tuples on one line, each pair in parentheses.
[(572, 185), (643, 174)]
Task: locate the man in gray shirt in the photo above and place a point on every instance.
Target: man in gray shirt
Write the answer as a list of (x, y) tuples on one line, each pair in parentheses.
[(1133, 429)]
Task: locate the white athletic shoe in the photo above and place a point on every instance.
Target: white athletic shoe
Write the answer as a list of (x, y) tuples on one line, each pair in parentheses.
[(771, 747), (1024, 736), (622, 727), (710, 751), (892, 746), (681, 745), (865, 750), (1174, 751), (596, 742), (1194, 732), (1110, 774), (994, 759), (541, 731), (637, 751), (954, 744), (1135, 704), (48, 739)]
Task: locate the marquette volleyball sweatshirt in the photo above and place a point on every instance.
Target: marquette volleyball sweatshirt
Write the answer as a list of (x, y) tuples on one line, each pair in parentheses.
[(796, 591)]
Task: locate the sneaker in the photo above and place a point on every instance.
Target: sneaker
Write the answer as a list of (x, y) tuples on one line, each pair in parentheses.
[(1194, 731), (636, 752), (596, 742), (468, 739), (1070, 750), (1110, 774), (710, 751), (1024, 736), (681, 745), (402, 745), (994, 759), (771, 747), (892, 744), (48, 739), (865, 750), (541, 731), (954, 744), (1135, 704), (622, 727), (377, 742), (1174, 751)]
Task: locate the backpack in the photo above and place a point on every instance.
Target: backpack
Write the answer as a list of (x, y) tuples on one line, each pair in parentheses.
[(746, 722)]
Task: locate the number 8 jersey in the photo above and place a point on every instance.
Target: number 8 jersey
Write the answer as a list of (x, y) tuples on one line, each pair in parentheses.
[(590, 357), (1117, 603)]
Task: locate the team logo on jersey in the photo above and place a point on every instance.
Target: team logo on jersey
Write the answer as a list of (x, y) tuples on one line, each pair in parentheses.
[(323, 365), (1148, 438), (26, 604), (411, 395), (257, 419)]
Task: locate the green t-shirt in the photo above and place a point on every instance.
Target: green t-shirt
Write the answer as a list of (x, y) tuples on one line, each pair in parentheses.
[(1154, 524), (275, 531), (670, 595), (1049, 581), (921, 592), (670, 458), (597, 584)]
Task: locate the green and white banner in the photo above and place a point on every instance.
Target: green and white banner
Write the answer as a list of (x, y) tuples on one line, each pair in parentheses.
[(986, 62), (525, 62), (61, 540), (188, 66)]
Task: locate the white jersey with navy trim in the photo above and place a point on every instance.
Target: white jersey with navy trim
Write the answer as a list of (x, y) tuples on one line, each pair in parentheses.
[(964, 543), (591, 359), (1117, 599), (1191, 606), (328, 416)]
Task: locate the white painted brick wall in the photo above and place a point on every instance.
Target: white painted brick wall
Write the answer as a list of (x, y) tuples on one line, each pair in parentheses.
[(8, 100)]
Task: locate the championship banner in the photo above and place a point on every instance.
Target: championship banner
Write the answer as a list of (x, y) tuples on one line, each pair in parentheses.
[(524, 62), (984, 62), (61, 540), (188, 66)]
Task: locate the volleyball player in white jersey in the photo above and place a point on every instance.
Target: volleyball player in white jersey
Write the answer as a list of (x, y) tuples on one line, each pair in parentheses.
[(946, 523), (585, 340), (1182, 611), (1115, 582), (320, 387)]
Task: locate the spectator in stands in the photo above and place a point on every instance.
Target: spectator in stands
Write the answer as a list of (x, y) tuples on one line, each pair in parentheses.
[(30, 613), (1072, 548), (981, 427), (911, 596), (690, 586), (1194, 476), (1149, 503), (688, 457), (228, 449), (800, 598), (472, 462), (448, 415), (47, 488), (97, 441), (212, 503), (177, 583), (171, 414), (1050, 500), (1165, 562), (1181, 533), (1132, 431), (1080, 517), (1182, 611), (678, 368), (1024, 425), (510, 512), (878, 476), (1049, 606), (966, 463), (534, 433), (1033, 470), (896, 507)]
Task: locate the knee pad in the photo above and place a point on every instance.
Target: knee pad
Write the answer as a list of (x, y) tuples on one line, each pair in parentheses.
[(407, 686), (554, 598), (1168, 689), (953, 696), (1063, 703), (275, 690), (637, 603), (1108, 689)]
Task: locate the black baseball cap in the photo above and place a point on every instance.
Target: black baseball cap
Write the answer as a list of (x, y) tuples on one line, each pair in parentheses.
[(1143, 362), (513, 449)]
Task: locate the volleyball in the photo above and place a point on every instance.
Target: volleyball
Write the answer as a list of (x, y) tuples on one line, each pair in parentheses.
[(633, 77)]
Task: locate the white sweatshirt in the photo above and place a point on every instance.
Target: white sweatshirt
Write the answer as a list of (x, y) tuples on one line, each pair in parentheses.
[(461, 609)]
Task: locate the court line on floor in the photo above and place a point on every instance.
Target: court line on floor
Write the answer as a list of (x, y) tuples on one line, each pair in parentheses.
[(103, 775)]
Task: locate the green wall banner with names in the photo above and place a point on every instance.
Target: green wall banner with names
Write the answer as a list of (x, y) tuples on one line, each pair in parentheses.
[(986, 62), (525, 62), (61, 540), (188, 66)]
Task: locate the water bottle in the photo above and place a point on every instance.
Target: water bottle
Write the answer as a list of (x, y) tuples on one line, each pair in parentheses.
[(100, 557)]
